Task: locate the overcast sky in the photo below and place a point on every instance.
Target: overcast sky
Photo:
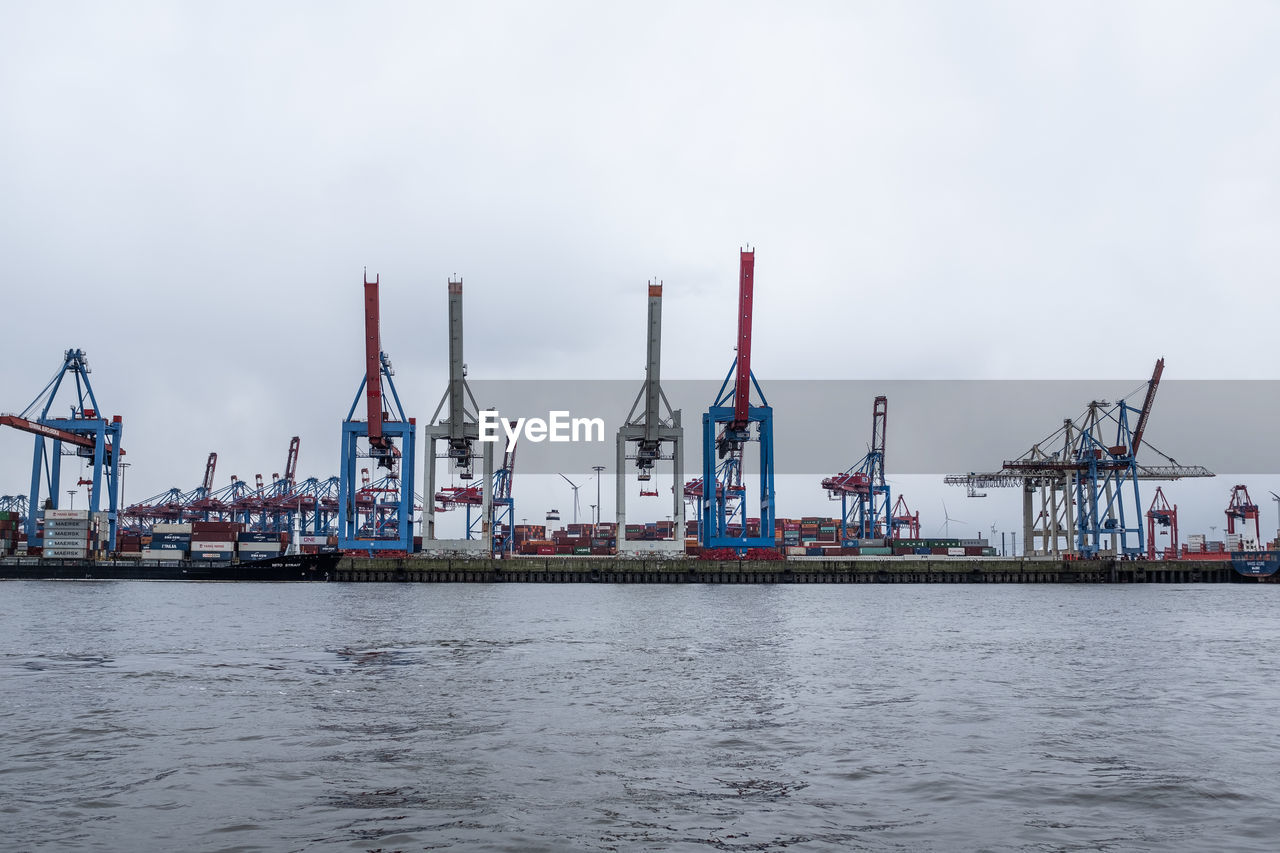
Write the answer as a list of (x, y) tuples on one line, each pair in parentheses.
[(191, 192)]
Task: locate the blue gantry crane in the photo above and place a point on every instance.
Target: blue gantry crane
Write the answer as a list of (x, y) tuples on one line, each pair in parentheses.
[(82, 433), (1085, 478), (728, 426), (376, 437)]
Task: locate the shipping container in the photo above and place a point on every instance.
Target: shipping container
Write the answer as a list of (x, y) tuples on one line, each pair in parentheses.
[(62, 514), (212, 556), (65, 553), (171, 528)]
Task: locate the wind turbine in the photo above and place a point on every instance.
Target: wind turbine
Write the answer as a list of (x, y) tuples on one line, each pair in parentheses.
[(946, 524), (575, 488)]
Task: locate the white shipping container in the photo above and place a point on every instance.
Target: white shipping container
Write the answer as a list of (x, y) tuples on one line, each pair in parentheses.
[(66, 513), (66, 541), (213, 546), (308, 540), (262, 547), (154, 554), (66, 553), (955, 552)]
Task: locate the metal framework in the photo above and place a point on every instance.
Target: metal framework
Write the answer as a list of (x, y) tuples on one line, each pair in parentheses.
[(82, 433), (652, 428), (1242, 508), (862, 491), (460, 433), (501, 516), (903, 521), (1076, 482), (727, 427), (17, 504), (1162, 518), (390, 528)]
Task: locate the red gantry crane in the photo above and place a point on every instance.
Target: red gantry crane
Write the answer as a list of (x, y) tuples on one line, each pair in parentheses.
[(1243, 509), (1162, 517)]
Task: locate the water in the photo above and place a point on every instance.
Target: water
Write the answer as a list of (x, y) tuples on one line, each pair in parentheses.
[(166, 716)]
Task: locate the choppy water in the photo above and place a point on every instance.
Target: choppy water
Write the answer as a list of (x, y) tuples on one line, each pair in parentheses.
[(172, 716)]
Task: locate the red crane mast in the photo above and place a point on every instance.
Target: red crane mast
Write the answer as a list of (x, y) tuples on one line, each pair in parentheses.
[(373, 364), (742, 383)]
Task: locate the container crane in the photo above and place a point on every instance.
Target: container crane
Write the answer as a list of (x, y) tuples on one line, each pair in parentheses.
[(82, 433), (383, 426), (278, 501), (459, 431), (173, 505), (727, 427), (1242, 508), (1162, 517), (1081, 475), (14, 503), (902, 519), (862, 491), (502, 514), (651, 427)]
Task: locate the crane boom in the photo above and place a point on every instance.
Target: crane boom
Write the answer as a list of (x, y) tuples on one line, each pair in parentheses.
[(742, 383), (291, 464), (879, 426), (1146, 406), (38, 428), (209, 468), (373, 363)]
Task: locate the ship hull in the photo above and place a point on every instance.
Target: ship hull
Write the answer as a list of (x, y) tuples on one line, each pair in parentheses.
[(303, 567)]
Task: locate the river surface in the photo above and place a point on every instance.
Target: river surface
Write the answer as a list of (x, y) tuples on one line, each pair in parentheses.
[(377, 717)]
